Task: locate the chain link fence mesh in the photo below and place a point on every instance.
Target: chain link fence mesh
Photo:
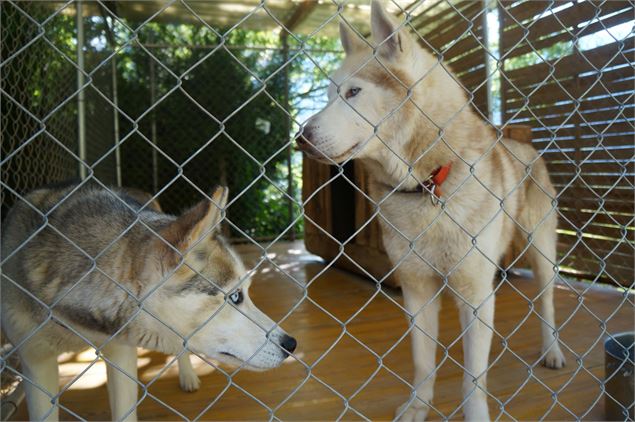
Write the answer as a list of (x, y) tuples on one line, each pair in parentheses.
[(182, 95), (32, 92)]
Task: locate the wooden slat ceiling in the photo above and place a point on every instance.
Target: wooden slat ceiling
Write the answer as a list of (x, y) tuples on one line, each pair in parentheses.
[(223, 14), (247, 14), (451, 27)]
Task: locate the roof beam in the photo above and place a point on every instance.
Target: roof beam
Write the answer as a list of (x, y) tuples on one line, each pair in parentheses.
[(301, 12)]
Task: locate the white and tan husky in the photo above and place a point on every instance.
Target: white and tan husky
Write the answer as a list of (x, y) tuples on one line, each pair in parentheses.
[(452, 196), (84, 265)]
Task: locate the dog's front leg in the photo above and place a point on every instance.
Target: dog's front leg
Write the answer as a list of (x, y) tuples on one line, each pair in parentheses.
[(122, 380), (188, 379), (41, 384), (476, 311), (422, 302)]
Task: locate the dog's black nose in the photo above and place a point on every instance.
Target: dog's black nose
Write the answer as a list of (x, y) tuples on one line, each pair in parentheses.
[(288, 343), (299, 139), (303, 137)]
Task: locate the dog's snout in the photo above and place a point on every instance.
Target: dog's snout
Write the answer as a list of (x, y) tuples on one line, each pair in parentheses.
[(288, 343), (304, 136)]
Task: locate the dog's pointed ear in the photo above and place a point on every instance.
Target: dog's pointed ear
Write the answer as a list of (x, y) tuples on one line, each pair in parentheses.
[(197, 222), (351, 42), (391, 40)]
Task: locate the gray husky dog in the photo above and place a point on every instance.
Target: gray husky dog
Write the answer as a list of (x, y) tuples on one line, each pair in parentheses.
[(452, 197), (89, 266)]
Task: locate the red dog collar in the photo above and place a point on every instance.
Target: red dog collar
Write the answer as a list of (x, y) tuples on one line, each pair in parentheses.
[(432, 184)]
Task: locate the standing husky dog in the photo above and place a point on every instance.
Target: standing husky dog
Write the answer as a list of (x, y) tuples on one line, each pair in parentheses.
[(87, 266), (451, 196)]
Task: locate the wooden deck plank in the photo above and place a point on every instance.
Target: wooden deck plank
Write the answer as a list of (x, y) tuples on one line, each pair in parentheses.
[(348, 365)]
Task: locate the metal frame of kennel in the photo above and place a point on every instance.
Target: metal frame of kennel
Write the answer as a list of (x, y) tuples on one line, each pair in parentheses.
[(578, 94)]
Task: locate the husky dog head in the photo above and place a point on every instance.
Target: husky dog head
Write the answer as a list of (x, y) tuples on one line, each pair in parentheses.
[(384, 94), (206, 294)]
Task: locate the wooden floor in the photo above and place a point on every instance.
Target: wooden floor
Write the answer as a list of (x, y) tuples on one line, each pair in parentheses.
[(340, 364)]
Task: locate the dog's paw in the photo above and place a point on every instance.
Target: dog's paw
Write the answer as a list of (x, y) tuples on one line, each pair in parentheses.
[(412, 412), (554, 358), (189, 381), (475, 409)]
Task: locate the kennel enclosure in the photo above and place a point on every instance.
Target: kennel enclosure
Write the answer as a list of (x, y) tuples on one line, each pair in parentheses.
[(173, 97)]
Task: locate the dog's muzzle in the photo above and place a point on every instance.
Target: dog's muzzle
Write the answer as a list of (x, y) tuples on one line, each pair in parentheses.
[(304, 140)]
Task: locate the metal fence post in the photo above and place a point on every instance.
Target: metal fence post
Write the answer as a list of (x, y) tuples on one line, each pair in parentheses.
[(290, 191), (153, 123), (81, 98)]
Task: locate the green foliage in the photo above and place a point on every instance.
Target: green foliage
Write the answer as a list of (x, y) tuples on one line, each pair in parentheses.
[(35, 79), (552, 52), (210, 105), (214, 102)]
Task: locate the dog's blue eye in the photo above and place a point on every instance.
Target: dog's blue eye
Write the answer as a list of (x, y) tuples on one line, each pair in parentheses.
[(236, 297), (352, 92)]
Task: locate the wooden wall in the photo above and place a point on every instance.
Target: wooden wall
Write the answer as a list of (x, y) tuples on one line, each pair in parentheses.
[(579, 103)]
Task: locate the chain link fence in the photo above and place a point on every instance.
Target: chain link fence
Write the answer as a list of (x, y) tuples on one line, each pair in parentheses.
[(171, 98), (40, 158)]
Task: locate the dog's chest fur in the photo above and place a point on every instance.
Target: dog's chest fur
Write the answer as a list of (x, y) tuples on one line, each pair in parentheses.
[(435, 239)]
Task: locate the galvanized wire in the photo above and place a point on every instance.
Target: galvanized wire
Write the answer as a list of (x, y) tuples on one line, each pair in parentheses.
[(26, 164)]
